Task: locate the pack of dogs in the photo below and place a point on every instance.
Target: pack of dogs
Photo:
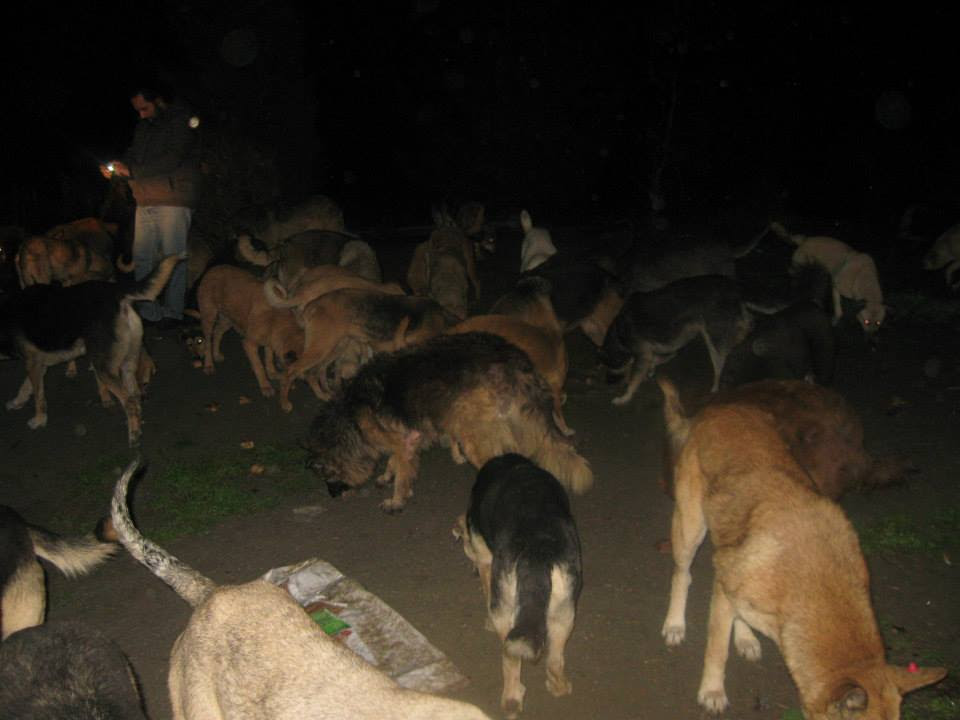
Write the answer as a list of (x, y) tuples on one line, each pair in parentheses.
[(757, 463)]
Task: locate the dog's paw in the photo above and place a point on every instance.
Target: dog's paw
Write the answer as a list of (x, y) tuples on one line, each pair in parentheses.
[(673, 634), (384, 478), (15, 404), (208, 369), (512, 705), (392, 507), (714, 701), (746, 642), (558, 686), (267, 390), (621, 400), (37, 421)]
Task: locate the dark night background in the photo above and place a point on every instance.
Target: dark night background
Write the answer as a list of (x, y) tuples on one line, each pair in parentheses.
[(832, 112)]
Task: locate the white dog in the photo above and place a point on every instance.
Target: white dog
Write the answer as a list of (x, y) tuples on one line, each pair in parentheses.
[(537, 246), (945, 253), (854, 274)]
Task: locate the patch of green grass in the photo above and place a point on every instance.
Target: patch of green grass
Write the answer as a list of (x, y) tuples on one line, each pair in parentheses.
[(905, 534), (188, 497), (938, 708)]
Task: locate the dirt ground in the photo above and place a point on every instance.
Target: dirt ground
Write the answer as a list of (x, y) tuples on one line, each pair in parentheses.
[(908, 393)]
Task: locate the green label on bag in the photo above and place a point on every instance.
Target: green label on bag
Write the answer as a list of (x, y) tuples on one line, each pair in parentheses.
[(330, 623)]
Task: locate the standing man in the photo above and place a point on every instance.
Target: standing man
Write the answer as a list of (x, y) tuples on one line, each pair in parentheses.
[(161, 165)]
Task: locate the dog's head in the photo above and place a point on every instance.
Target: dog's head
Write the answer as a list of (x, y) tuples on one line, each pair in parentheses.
[(871, 317), (871, 693), (193, 340), (339, 455)]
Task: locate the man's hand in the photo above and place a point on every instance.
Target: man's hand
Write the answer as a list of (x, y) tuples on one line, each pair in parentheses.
[(115, 167)]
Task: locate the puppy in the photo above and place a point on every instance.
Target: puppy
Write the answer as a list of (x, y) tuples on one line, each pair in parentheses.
[(49, 324), (24, 595), (69, 254), (854, 275), (230, 297), (475, 392), (537, 245), (787, 563), (945, 253), (250, 651), (521, 537), (381, 321), (444, 267), (652, 327), (66, 670)]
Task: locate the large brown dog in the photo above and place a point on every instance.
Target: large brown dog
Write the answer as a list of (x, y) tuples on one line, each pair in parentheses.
[(230, 297), (787, 563), (475, 392), (250, 651), (444, 266), (70, 253), (375, 319)]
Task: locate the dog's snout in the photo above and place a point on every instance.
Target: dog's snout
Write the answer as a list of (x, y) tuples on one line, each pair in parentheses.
[(336, 488)]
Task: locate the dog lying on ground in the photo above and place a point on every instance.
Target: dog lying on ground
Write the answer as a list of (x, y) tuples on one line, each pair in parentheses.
[(521, 537), (250, 651), (66, 670), (537, 245), (49, 324), (475, 392), (653, 326), (69, 254), (230, 297), (533, 327), (22, 581), (380, 321), (854, 274), (443, 267), (945, 253), (822, 431), (787, 563)]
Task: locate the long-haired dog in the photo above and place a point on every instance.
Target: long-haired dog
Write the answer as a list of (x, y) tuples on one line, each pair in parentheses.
[(652, 327), (68, 254), (23, 602), (476, 392), (521, 537), (374, 319), (66, 670), (250, 651), (444, 266), (787, 563), (49, 324)]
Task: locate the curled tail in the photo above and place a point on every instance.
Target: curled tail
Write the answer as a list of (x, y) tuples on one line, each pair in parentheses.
[(72, 556), (249, 253), (559, 457), (529, 632), (277, 295), (187, 582), (149, 287)]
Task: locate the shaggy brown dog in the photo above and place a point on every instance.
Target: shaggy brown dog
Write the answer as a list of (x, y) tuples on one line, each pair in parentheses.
[(787, 563), (444, 266), (475, 392), (71, 253), (380, 321), (230, 297)]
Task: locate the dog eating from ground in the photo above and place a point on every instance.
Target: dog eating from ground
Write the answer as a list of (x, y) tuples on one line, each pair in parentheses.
[(250, 651), (66, 670), (945, 253), (49, 324), (22, 581), (854, 274), (652, 327), (787, 563), (474, 392), (443, 267), (521, 537), (537, 245)]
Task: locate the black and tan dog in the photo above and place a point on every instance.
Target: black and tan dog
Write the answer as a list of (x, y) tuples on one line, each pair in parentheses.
[(250, 651), (66, 670), (49, 324), (69, 254), (475, 392), (22, 582), (787, 563), (521, 537)]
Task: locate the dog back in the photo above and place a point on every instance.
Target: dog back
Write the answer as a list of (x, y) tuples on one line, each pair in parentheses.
[(521, 515)]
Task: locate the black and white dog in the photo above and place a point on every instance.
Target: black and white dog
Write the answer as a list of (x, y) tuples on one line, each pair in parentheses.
[(520, 535)]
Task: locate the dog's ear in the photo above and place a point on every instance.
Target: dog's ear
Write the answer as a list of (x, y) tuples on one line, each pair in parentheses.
[(913, 677), (848, 702)]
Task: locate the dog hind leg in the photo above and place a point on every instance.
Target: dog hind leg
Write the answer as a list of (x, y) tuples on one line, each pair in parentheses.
[(712, 694), (252, 349), (36, 369), (23, 395), (560, 616), (24, 601)]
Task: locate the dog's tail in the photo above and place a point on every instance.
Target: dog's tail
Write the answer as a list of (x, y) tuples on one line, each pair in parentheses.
[(277, 295), (249, 253), (74, 555), (558, 456), (674, 416), (149, 287), (533, 589), (781, 232), (187, 582)]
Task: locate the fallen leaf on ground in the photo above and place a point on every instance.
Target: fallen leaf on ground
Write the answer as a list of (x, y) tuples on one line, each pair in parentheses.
[(244, 400), (247, 444), (212, 407), (257, 469)]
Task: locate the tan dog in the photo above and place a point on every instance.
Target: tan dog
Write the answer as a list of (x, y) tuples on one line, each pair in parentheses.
[(250, 651), (381, 321), (444, 266), (230, 297), (945, 253), (854, 274), (315, 213), (71, 253), (318, 281), (787, 563)]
